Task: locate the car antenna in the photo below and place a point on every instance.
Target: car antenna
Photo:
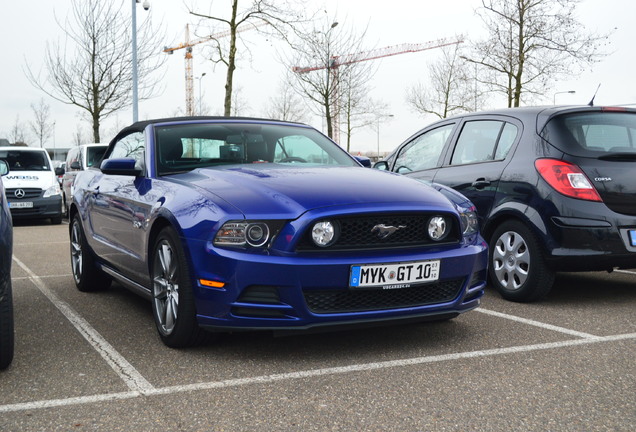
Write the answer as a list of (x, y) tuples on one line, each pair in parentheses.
[(591, 103)]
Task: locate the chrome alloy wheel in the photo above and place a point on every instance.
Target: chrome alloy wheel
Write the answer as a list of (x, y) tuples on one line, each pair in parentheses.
[(511, 260), (76, 251), (165, 286)]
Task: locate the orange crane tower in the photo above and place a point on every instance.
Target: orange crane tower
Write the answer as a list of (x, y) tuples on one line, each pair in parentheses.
[(342, 60), (188, 44)]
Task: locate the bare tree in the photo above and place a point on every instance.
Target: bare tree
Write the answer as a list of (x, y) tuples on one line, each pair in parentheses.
[(92, 69), (532, 43), (78, 136), (274, 17), (452, 87), (358, 109), (331, 87), (240, 107), (41, 125), (18, 132), (286, 105)]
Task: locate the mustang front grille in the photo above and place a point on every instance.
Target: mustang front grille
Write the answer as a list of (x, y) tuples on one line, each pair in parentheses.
[(359, 300), (357, 232)]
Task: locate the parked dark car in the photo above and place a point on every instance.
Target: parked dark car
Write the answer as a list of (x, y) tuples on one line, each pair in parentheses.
[(554, 187), (243, 224), (6, 298)]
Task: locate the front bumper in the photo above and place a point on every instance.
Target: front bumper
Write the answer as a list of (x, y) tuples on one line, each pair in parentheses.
[(41, 208), (308, 291)]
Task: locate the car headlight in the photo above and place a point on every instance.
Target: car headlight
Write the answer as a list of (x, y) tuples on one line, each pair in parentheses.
[(244, 233), (53, 190), (470, 223), (325, 233), (438, 228)]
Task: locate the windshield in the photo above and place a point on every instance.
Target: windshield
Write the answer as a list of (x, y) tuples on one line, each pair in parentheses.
[(24, 160), (185, 147), (593, 134)]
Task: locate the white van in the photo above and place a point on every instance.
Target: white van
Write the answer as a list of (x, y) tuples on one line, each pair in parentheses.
[(78, 159), (31, 187)]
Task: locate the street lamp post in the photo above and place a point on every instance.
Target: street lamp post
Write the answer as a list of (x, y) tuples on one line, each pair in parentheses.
[(199, 78), (135, 79), (561, 92)]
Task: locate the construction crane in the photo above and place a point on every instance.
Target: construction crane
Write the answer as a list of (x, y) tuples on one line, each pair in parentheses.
[(188, 44), (342, 60)]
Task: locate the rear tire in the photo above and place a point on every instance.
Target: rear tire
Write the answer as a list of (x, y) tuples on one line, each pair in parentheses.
[(518, 270), (173, 305), (86, 275), (6, 323)]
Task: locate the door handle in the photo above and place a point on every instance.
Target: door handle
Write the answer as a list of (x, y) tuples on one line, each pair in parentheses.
[(480, 183)]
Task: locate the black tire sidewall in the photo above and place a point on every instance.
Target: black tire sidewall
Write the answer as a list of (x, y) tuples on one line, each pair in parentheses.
[(6, 323), (186, 331), (540, 277)]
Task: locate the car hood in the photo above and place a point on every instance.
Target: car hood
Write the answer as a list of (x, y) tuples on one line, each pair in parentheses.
[(282, 191)]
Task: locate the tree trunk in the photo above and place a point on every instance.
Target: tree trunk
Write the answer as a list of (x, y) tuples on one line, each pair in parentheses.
[(231, 64)]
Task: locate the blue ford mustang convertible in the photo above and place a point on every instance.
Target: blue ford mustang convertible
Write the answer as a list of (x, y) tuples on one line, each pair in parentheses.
[(232, 224)]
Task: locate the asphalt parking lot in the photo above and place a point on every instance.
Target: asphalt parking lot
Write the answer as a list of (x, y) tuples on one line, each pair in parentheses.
[(93, 362)]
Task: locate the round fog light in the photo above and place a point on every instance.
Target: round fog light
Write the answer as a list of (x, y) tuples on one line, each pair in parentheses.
[(437, 228), (323, 233)]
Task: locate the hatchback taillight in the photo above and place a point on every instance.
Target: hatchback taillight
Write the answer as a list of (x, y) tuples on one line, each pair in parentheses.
[(567, 179)]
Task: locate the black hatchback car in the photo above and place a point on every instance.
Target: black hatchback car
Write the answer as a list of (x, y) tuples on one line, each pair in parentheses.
[(554, 187)]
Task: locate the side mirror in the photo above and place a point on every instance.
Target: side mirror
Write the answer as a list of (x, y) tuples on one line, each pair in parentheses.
[(4, 167), (365, 161), (75, 165), (124, 166), (59, 171), (381, 165)]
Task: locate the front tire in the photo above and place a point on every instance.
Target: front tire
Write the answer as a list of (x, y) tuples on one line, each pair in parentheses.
[(518, 270), (173, 304), (86, 275)]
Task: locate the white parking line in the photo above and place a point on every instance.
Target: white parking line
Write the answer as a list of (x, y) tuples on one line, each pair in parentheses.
[(626, 271), (537, 324), (133, 379), (265, 379)]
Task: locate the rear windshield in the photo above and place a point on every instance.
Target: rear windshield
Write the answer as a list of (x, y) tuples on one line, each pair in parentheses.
[(23, 160), (593, 134)]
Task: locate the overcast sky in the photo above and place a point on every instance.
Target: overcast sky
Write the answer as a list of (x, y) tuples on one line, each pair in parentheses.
[(26, 26)]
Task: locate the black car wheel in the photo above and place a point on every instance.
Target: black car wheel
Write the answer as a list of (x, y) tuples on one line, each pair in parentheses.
[(517, 264), (86, 275), (172, 297), (6, 323)]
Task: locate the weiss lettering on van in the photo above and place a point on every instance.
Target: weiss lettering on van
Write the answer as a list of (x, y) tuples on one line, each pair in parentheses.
[(23, 177)]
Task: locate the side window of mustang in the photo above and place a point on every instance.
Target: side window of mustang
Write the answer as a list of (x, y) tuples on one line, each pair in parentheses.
[(130, 146)]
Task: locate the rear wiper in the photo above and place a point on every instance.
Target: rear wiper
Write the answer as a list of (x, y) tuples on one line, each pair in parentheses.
[(619, 157)]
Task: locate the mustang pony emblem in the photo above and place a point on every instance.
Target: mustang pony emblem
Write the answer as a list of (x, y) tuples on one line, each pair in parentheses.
[(385, 231)]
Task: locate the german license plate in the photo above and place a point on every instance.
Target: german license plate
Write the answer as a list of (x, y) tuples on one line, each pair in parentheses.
[(632, 237), (20, 204), (390, 276)]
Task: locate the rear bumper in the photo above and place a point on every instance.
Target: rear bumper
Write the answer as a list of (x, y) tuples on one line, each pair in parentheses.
[(586, 244)]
